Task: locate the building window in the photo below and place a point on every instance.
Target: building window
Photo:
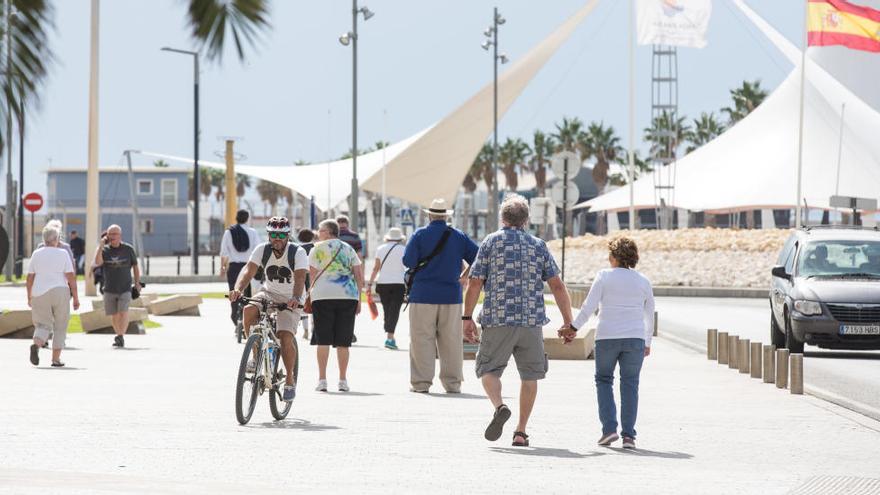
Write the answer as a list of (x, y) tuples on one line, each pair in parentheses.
[(169, 193), (145, 187), (146, 225)]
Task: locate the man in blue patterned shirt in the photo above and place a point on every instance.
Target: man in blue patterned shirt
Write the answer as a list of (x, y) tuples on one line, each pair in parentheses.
[(511, 267)]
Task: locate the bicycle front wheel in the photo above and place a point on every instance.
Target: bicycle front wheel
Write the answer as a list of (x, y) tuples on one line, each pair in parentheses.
[(247, 385), (279, 408)]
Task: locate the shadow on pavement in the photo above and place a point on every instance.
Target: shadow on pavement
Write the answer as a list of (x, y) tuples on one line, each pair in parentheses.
[(292, 424), (132, 348), (456, 396), (354, 394), (652, 453), (843, 355), (73, 368), (545, 452)]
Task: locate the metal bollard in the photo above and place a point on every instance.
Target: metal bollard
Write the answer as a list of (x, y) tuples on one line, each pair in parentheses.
[(782, 368), (712, 344), (796, 384), (723, 348), (213, 271), (756, 360), (769, 363), (656, 324), (178, 265), (148, 264), (733, 362), (743, 355)]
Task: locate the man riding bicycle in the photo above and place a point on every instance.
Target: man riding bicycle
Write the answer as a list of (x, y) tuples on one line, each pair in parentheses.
[(284, 266)]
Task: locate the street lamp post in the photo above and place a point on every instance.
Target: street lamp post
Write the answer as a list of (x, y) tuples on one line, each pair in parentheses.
[(352, 38), (195, 241), (492, 33)]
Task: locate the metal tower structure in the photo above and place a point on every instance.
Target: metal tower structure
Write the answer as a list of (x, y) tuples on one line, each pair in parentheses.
[(664, 111)]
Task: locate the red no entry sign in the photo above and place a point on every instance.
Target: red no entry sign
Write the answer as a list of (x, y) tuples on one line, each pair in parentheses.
[(33, 202)]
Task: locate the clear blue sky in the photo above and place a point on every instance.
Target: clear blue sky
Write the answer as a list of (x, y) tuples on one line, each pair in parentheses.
[(417, 61)]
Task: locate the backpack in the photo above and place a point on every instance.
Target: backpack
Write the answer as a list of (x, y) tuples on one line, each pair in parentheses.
[(267, 252)]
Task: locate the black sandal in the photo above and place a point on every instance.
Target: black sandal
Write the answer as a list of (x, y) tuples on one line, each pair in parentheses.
[(524, 437), (493, 431), (57, 364)]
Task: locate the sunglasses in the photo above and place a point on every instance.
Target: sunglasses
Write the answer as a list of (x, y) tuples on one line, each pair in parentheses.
[(278, 235)]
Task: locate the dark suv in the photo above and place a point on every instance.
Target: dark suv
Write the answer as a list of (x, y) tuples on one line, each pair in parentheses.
[(826, 290)]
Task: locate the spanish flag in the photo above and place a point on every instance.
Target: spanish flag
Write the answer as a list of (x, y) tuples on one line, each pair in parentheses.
[(838, 22)]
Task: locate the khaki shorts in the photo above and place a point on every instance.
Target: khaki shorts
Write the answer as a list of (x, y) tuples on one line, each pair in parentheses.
[(116, 303), (285, 321), (526, 344)]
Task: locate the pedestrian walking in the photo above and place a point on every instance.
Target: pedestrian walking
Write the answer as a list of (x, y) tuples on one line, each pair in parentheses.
[(389, 285), (337, 279), (625, 300), (306, 238), (57, 225), (51, 282), (350, 237), (236, 247), (78, 247), (511, 269), (434, 257), (118, 263)]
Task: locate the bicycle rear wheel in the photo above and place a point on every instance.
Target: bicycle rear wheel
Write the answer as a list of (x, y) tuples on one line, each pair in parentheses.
[(247, 386), (279, 408), (239, 330)]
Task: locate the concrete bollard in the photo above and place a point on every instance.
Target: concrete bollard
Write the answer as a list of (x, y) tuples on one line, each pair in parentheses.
[(723, 348), (742, 355), (796, 384), (769, 363), (712, 344), (782, 368), (756, 360), (656, 322), (733, 362)]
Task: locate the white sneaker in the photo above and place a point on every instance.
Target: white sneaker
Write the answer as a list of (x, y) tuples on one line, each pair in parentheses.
[(322, 386), (343, 386)]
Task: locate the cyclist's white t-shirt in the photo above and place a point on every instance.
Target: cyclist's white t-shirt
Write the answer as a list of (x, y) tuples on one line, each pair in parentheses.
[(277, 278)]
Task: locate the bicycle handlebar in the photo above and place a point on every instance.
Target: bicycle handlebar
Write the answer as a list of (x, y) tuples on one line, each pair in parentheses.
[(263, 303)]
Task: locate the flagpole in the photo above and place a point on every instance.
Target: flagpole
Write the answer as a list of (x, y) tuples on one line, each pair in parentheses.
[(839, 149), (800, 155), (632, 118)]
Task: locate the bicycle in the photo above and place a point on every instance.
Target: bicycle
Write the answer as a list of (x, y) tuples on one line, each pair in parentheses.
[(264, 347)]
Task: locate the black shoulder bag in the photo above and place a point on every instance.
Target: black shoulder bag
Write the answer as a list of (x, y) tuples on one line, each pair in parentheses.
[(410, 274)]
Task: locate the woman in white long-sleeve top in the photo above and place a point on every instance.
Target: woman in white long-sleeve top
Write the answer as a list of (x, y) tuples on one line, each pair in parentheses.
[(625, 300)]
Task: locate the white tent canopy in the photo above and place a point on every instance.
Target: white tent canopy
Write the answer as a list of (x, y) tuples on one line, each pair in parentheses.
[(754, 164), (430, 164)]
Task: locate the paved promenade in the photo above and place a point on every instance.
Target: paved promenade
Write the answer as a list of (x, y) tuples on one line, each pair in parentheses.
[(157, 417)]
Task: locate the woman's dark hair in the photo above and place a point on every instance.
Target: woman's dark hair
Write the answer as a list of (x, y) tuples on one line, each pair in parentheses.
[(305, 236), (625, 251)]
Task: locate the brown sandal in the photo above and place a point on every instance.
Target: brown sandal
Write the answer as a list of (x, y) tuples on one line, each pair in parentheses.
[(521, 434)]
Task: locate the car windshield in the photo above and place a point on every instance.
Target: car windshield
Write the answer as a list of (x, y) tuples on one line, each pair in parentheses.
[(840, 259)]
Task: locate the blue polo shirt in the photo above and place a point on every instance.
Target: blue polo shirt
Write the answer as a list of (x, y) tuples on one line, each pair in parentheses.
[(438, 282)]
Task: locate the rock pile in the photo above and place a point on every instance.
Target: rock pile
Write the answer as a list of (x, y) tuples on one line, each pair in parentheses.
[(687, 257)]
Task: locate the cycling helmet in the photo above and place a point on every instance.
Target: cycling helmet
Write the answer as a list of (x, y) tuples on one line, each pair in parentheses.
[(278, 224)]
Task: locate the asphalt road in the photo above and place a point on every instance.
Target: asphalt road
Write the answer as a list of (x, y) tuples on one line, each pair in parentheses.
[(849, 378)]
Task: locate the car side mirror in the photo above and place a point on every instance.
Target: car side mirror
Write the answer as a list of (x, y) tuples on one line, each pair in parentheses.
[(779, 271)]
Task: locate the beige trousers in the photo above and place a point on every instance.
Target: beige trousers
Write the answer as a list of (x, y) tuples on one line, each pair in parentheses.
[(435, 330), (50, 313)]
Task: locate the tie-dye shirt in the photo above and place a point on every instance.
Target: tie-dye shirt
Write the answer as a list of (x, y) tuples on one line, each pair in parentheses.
[(337, 282)]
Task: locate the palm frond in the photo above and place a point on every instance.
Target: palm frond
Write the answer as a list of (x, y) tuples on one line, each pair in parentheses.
[(213, 21)]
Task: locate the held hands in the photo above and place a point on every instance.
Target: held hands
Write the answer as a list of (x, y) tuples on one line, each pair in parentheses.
[(567, 334), (469, 330)]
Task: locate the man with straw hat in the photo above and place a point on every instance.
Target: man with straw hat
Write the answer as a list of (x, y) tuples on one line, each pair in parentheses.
[(434, 257)]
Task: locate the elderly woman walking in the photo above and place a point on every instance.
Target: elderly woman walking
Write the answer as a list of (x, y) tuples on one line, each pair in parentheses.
[(337, 279), (51, 281), (389, 267), (625, 300)]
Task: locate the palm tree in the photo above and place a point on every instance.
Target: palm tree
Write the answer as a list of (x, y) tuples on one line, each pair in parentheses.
[(161, 164), (567, 133), (706, 128), (512, 155), (218, 180), (242, 183), (666, 135), (622, 178), (746, 98), (270, 193), (211, 22), (543, 146), (602, 144)]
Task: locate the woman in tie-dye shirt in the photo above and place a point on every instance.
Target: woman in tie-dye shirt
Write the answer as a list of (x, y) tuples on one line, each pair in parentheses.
[(337, 280)]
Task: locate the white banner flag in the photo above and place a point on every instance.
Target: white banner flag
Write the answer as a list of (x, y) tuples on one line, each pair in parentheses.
[(674, 22)]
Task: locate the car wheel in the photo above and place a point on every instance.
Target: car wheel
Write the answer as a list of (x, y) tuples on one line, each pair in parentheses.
[(791, 342), (777, 337)]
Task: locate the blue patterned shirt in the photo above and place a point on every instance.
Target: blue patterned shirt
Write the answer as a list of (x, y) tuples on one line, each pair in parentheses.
[(514, 266)]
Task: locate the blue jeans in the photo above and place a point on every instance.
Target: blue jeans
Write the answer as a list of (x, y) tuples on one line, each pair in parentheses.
[(629, 353)]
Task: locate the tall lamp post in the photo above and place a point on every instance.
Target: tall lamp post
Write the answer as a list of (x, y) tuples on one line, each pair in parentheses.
[(491, 32), (351, 37), (195, 241)]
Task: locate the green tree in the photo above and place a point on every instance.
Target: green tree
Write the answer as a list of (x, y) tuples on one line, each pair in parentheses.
[(602, 144), (213, 22), (242, 183), (512, 157), (746, 98), (270, 193), (666, 135), (567, 134), (161, 164), (543, 146), (706, 128), (622, 178)]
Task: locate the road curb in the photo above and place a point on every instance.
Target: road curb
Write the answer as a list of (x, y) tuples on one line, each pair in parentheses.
[(681, 291)]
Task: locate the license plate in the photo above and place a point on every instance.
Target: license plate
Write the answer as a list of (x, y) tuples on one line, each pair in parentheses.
[(859, 329)]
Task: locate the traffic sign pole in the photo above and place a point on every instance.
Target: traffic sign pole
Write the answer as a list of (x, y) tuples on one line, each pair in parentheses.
[(564, 212)]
